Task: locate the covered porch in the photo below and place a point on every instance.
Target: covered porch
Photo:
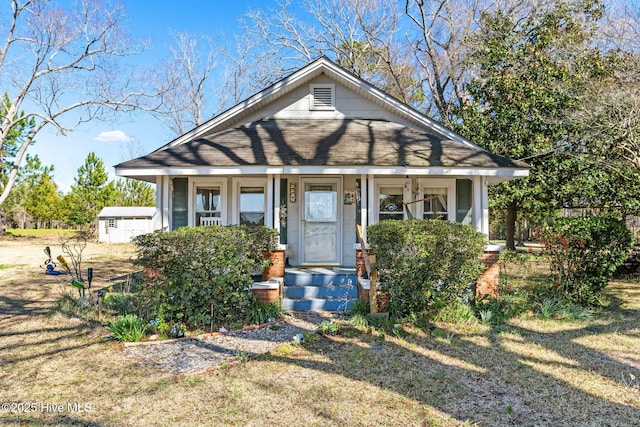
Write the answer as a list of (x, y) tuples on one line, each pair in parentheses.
[(316, 214)]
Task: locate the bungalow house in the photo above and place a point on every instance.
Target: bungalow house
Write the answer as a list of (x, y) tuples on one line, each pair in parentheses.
[(312, 156)]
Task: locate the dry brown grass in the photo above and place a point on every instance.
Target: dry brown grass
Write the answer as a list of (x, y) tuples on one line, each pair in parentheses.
[(529, 372)]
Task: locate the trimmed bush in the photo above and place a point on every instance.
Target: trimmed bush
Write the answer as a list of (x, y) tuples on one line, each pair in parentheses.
[(584, 253), (425, 265), (200, 276)]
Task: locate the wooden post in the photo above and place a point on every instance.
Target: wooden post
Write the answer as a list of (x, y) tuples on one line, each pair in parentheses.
[(100, 307), (373, 291), (373, 277)]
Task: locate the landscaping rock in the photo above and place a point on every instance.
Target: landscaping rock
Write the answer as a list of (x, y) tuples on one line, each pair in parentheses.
[(210, 351)]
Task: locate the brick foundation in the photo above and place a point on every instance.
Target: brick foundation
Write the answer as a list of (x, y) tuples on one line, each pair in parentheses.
[(267, 292), (487, 283), (382, 298), (363, 291), (276, 269)]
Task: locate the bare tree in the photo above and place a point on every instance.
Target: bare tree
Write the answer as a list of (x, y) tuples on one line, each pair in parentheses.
[(609, 115), (415, 50), (609, 108), (439, 38), (362, 35), (61, 67), (185, 79), (620, 26), (439, 48), (243, 73)]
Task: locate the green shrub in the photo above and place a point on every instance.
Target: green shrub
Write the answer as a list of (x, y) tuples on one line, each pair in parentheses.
[(201, 275), (259, 313), (574, 312), (121, 303), (361, 307), (329, 328), (456, 312), (359, 320), (584, 253), (425, 265), (549, 308), (486, 317), (129, 328), (512, 302)]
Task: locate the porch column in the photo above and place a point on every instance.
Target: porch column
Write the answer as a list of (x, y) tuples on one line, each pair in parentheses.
[(485, 206), (477, 203), (276, 202), (163, 193), (268, 220), (371, 199), (364, 208)]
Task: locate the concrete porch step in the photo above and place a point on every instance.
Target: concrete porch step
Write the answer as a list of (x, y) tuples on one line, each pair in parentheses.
[(319, 276), (318, 304), (319, 289), (298, 292)]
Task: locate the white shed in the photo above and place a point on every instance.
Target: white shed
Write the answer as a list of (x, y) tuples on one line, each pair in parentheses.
[(119, 224)]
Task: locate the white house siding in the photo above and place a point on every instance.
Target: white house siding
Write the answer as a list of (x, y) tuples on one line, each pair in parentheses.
[(349, 105)]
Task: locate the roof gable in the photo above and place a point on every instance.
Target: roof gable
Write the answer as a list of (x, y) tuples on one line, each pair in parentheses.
[(250, 108)]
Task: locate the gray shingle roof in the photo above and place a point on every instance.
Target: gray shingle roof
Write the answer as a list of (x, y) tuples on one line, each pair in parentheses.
[(353, 142)]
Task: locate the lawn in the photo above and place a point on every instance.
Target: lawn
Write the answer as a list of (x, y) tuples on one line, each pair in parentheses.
[(40, 233), (531, 371)]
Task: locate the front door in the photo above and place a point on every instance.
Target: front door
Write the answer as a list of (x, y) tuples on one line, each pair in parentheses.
[(320, 221)]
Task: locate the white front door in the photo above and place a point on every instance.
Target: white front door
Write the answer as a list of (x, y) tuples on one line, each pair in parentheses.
[(321, 213)]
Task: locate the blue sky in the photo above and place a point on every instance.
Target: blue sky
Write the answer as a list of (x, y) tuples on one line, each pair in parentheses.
[(113, 141)]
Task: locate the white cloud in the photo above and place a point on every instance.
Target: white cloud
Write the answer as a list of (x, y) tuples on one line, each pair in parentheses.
[(113, 136)]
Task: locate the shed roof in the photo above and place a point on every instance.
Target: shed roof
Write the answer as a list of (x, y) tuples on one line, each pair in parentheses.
[(127, 211)]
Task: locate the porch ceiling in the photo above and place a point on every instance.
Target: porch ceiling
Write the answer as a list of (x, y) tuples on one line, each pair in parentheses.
[(338, 143)]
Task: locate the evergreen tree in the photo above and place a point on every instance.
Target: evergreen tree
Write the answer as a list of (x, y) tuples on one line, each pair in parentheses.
[(135, 193), (91, 192), (527, 74), (44, 203)]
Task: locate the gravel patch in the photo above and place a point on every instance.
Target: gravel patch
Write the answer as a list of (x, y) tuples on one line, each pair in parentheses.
[(210, 351)]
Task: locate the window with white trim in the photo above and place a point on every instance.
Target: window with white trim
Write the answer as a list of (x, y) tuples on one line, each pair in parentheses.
[(112, 223), (208, 199), (208, 202), (250, 201), (252, 205), (322, 97), (390, 202), (437, 199), (434, 203)]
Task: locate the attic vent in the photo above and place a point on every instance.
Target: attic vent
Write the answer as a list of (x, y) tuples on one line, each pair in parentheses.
[(322, 97)]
